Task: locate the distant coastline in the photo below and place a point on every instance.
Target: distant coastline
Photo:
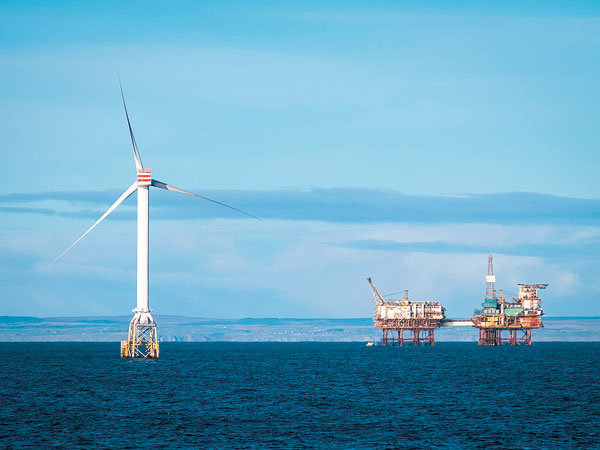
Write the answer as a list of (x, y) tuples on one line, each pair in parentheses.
[(197, 329)]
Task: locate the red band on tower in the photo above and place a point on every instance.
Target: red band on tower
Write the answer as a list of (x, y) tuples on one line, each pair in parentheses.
[(144, 177)]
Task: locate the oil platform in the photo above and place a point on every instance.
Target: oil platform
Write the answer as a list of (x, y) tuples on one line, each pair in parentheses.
[(508, 321), (397, 317), (500, 321)]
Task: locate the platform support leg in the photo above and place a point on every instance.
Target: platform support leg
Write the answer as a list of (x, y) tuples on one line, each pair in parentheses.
[(142, 341)]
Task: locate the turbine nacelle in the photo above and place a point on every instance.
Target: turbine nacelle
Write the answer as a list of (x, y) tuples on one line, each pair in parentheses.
[(144, 177)]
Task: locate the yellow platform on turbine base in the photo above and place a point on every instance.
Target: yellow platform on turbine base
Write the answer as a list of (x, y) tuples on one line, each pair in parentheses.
[(142, 341)]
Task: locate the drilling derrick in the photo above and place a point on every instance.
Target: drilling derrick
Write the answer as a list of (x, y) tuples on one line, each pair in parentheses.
[(490, 280), (508, 321), (395, 317)]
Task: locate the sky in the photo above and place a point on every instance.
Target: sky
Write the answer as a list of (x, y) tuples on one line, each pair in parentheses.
[(404, 141)]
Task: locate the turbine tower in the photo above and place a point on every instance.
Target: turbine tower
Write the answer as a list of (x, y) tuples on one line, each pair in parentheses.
[(142, 341)]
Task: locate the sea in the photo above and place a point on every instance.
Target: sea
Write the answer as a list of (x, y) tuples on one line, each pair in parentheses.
[(274, 395)]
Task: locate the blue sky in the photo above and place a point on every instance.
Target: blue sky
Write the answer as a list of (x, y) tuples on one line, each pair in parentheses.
[(401, 141)]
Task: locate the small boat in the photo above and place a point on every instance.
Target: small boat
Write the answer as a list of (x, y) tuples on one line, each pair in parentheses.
[(370, 344)]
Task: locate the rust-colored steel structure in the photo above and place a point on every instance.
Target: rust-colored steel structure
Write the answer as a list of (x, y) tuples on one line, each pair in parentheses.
[(500, 321), (414, 336), (493, 337), (508, 321), (404, 322)]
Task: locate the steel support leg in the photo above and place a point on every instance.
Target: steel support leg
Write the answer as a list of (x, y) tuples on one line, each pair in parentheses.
[(142, 341)]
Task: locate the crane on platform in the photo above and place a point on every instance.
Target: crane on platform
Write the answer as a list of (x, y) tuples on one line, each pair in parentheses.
[(376, 294)]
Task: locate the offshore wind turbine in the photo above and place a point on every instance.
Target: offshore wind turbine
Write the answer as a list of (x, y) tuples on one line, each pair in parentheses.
[(142, 341)]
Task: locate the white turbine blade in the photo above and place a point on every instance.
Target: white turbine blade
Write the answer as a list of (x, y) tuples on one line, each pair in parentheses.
[(161, 185), (136, 153), (120, 200)]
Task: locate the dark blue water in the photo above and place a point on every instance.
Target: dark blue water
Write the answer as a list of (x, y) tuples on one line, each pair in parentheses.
[(300, 395)]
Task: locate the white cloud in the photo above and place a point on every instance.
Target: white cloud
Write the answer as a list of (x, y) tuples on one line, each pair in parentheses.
[(254, 263)]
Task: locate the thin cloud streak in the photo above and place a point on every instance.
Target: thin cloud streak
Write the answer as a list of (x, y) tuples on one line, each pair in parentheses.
[(349, 205), (580, 249)]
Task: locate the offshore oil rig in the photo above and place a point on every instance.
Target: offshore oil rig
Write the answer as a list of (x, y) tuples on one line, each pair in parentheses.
[(500, 321), (417, 319)]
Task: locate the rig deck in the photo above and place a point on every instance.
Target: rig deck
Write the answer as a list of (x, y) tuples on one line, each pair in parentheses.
[(501, 321), (397, 317)]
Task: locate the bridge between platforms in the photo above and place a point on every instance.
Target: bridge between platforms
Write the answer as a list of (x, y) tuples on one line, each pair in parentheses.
[(456, 323)]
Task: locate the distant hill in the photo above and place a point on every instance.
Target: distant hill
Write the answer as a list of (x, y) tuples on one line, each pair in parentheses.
[(197, 329)]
